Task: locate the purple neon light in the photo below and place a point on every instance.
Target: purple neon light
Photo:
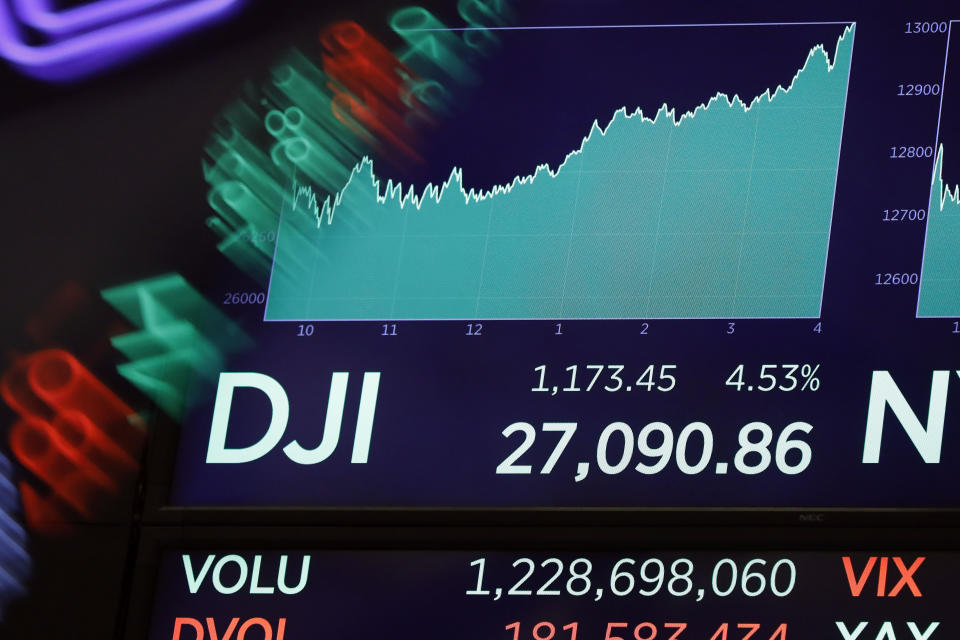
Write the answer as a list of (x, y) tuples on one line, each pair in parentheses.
[(83, 54), (40, 15)]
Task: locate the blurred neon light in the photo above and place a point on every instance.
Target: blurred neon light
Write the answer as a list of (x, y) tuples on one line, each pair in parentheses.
[(15, 563), (40, 15), (85, 53), (77, 438)]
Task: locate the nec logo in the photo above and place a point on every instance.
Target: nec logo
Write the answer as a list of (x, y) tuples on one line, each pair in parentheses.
[(219, 453), (82, 40), (812, 517)]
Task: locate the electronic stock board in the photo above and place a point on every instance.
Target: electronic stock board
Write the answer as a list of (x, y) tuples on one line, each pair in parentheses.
[(515, 257), (553, 265)]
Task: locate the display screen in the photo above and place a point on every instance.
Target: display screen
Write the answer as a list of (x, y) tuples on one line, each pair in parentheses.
[(575, 256), (502, 319), (773, 595)]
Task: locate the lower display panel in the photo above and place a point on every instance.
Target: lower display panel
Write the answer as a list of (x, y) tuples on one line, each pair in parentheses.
[(203, 591)]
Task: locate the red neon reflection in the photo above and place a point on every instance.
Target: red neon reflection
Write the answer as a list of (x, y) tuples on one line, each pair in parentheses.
[(60, 465), (376, 97), (42, 513), (52, 382), (74, 434)]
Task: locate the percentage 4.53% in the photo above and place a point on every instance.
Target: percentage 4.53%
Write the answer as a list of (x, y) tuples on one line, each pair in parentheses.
[(775, 377)]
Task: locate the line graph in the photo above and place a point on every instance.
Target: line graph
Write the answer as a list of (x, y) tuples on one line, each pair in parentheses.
[(940, 290), (721, 211), (939, 295)]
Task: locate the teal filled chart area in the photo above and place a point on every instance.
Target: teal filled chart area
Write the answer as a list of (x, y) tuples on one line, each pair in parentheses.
[(723, 210), (940, 285), (939, 295)]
